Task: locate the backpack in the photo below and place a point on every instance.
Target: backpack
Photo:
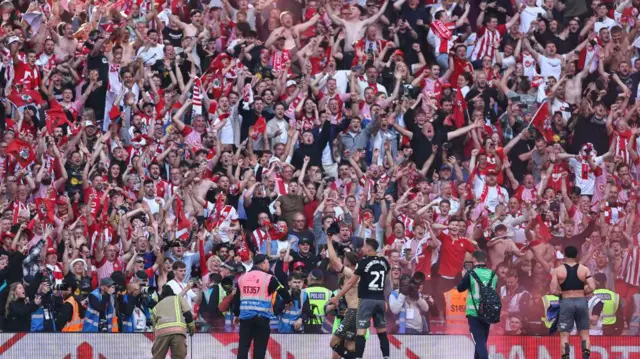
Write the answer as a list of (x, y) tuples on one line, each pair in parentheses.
[(490, 305)]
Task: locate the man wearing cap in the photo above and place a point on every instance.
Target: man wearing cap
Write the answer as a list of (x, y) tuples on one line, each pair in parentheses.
[(100, 314), (252, 304), (318, 298), (277, 127), (487, 190), (305, 254), (69, 318)]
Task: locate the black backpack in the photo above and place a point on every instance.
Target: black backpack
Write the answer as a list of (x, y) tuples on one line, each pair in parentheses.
[(489, 307)]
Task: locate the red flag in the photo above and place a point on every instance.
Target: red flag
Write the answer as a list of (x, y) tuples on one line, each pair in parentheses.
[(542, 122), (46, 209), (459, 109), (22, 151), (55, 117), (25, 98), (259, 127)]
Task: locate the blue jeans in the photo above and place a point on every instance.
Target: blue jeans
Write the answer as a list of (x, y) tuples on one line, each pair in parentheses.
[(443, 62)]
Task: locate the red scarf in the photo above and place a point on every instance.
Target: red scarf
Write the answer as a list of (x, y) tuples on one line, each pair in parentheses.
[(442, 31)]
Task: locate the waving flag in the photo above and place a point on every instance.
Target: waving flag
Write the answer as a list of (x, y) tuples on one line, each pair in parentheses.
[(542, 122), (22, 151), (46, 209), (183, 225), (55, 117), (25, 98)]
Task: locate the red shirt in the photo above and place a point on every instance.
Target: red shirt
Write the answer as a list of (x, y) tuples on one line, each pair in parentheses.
[(452, 254)]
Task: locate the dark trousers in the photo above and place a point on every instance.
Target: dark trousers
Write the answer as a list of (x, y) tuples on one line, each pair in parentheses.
[(254, 330), (480, 334)]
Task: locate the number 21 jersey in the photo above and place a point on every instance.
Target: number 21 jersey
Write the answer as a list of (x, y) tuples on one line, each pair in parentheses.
[(373, 273)]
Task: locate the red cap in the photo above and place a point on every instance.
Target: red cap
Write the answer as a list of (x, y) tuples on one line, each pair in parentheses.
[(298, 264), (51, 250), (398, 53), (492, 171)]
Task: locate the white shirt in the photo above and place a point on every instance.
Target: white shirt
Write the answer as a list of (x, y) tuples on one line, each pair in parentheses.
[(494, 193), (606, 22), (153, 206), (528, 14), (585, 181), (150, 56), (455, 205), (364, 84), (178, 287), (223, 228), (550, 66)]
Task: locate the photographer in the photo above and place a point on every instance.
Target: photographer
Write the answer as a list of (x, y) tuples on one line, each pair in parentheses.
[(408, 306), (43, 319), (69, 318), (133, 310), (100, 312)]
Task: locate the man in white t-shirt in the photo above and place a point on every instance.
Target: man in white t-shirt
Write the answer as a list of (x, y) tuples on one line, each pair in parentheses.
[(584, 166), (150, 198), (179, 285), (602, 20), (530, 14), (487, 190), (151, 51)]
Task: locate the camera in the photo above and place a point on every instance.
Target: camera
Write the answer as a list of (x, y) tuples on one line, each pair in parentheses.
[(147, 290), (333, 229), (58, 286), (446, 146)]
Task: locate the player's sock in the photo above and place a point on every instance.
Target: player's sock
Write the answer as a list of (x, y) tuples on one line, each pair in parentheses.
[(384, 344), (586, 353), (342, 351), (360, 343), (567, 351)]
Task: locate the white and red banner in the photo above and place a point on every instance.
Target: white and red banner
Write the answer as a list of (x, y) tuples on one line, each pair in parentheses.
[(302, 346)]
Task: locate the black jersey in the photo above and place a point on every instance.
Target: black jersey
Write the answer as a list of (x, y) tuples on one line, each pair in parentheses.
[(373, 273)]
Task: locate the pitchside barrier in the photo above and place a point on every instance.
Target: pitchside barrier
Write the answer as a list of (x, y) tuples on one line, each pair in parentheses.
[(298, 346)]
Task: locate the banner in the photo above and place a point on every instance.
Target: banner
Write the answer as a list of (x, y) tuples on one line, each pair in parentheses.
[(299, 346)]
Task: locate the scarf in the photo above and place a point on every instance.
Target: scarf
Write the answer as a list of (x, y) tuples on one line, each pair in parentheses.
[(443, 32)]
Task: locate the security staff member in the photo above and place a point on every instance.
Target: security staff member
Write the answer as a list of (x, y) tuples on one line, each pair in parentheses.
[(611, 324), (456, 311), (171, 318), (547, 301), (478, 328), (69, 319), (318, 298), (253, 303)]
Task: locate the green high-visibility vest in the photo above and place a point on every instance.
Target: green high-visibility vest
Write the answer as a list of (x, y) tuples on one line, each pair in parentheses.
[(611, 302), (474, 290), (318, 298)]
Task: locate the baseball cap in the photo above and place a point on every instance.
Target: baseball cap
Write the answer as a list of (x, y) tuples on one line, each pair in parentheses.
[(259, 258), (12, 39), (492, 172), (51, 250), (107, 282), (291, 83), (305, 241), (445, 167), (297, 265), (316, 274)]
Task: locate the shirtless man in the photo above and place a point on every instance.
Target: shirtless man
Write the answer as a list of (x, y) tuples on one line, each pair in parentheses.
[(500, 246), (573, 85), (65, 45), (290, 32), (343, 339), (573, 282), (354, 27)]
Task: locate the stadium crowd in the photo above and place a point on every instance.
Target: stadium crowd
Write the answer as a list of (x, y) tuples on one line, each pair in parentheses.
[(151, 143)]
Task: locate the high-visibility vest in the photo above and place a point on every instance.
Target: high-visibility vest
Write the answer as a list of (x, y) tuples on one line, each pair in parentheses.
[(289, 317), (92, 316), (611, 302), (75, 325), (547, 300), (37, 320), (177, 325), (456, 312), (254, 295), (318, 299)]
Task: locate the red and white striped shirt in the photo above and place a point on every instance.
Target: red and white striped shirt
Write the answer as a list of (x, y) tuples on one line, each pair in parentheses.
[(485, 41), (408, 224), (630, 268)]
